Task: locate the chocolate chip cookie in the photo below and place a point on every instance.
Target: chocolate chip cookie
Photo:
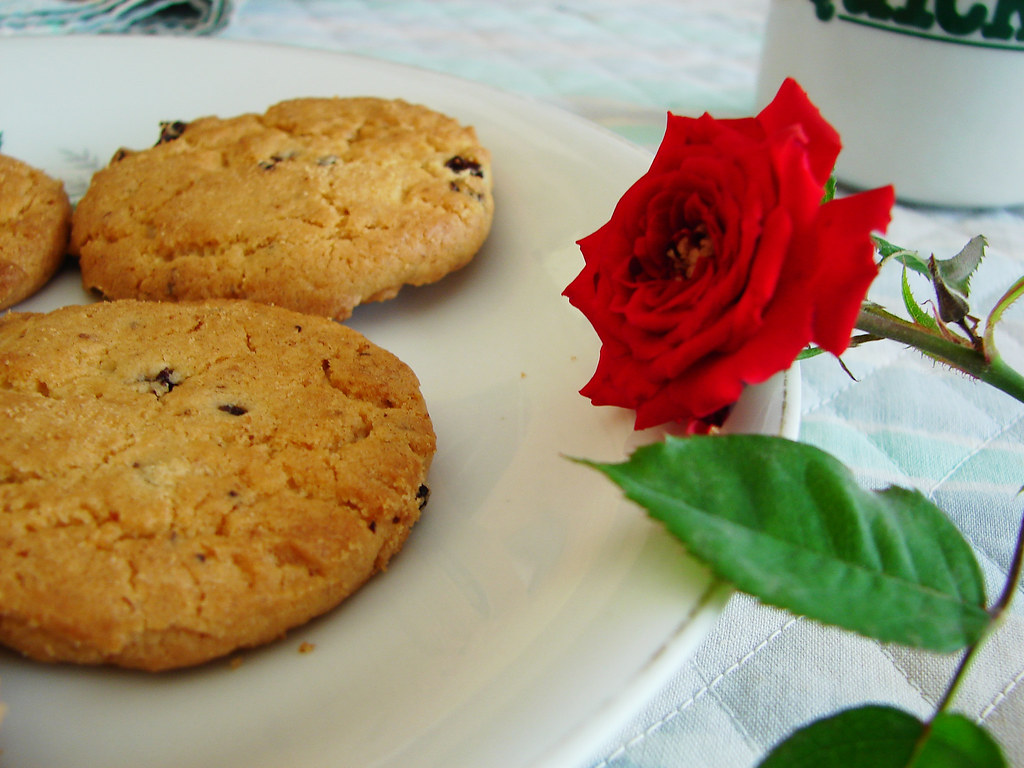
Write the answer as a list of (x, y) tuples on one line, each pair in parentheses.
[(35, 218), (180, 480), (318, 205)]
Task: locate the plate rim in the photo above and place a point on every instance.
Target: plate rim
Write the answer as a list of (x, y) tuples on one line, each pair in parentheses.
[(579, 743)]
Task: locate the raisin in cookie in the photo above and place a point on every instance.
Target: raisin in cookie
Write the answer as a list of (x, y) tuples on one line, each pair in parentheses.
[(35, 218), (317, 205), (183, 479)]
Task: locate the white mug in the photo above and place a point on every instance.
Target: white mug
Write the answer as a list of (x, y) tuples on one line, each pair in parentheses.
[(927, 95)]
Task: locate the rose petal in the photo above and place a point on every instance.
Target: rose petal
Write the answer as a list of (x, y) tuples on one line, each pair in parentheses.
[(791, 106), (767, 267), (840, 236)]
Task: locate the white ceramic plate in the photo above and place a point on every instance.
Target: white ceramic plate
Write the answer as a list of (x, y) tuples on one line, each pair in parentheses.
[(532, 609)]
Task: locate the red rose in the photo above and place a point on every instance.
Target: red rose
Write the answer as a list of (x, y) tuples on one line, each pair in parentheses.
[(721, 263)]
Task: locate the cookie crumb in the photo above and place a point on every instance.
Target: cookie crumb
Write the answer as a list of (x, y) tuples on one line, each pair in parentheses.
[(306, 648)]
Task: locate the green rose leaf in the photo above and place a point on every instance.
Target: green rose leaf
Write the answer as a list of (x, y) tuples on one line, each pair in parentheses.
[(910, 259), (830, 189), (953, 741), (883, 737), (1012, 294), (952, 307), (865, 737), (952, 275), (788, 524), (917, 314), (956, 272)]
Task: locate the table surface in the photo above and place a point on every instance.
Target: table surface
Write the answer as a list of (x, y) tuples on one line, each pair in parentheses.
[(761, 672)]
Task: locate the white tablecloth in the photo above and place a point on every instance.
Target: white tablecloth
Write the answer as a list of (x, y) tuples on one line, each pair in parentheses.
[(762, 672)]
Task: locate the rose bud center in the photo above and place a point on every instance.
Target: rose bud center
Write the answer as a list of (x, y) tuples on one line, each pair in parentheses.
[(685, 252), (678, 257)]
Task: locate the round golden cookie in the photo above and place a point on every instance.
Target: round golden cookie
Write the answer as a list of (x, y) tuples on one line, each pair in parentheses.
[(318, 205), (35, 218), (184, 479)]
